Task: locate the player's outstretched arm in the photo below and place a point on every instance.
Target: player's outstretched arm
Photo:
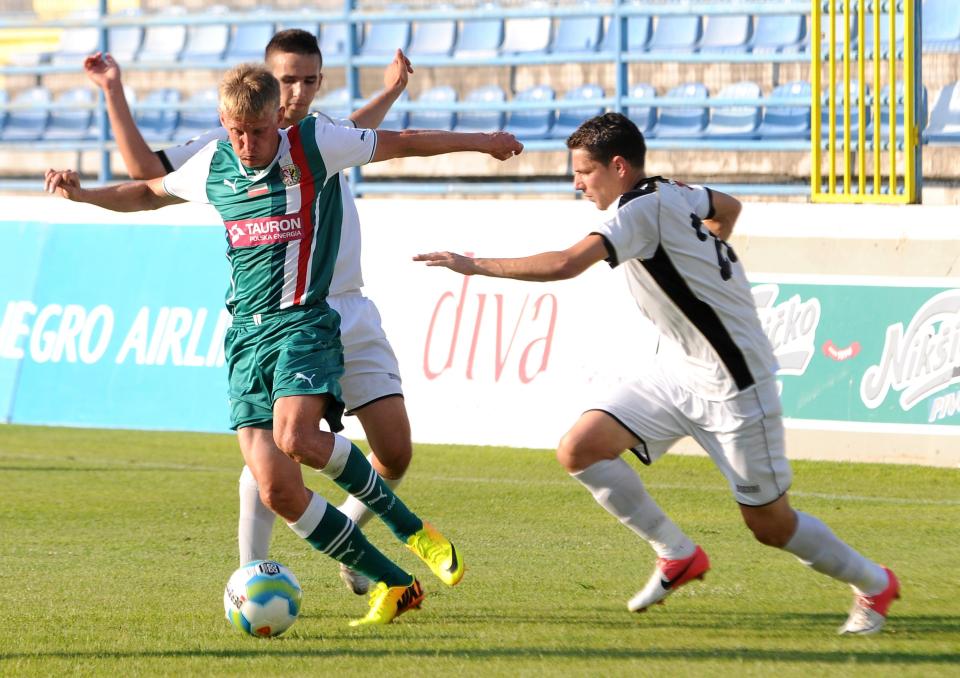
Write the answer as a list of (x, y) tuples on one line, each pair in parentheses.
[(541, 267), (394, 82), (414, 142), (141, 162), (726, 209), (132, 196)]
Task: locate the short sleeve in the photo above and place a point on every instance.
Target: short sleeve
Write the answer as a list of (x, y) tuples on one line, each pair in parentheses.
[(634, 230), (176, 156), (190, 181), (700, 199), (343, 147)]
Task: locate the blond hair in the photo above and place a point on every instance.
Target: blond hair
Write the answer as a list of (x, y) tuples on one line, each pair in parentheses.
[(248, 91)]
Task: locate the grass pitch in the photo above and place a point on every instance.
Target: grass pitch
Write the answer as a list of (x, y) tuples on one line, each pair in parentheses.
[(115, 547)]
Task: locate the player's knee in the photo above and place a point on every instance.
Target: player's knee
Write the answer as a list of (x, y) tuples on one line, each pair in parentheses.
[(277, 497), (395, 457), (572, 453), (770, 533), (290, 441)]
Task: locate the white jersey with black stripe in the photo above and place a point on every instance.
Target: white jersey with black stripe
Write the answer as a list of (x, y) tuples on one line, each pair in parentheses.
[(347, 276), (690, 284)]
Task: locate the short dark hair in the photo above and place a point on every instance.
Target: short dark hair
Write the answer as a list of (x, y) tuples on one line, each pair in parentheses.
[(608, 135), (293, 41)]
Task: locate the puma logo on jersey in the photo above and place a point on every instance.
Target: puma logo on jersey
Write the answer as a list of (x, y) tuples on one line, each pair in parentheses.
[(301, 375), (231, 184)]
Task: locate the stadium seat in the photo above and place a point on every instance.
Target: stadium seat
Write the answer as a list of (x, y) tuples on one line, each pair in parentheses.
[(78, 42), (681, 121), (384, 38), (777, 32), (125, 41), (532, 123), (726, 33), (75, 121), (944, 125), (28, 124), (884, 34), (786, 122), (577, 34), (195, 122), (676, 33), (247, 41), (335, 103), (884, 103), (735, 122), (482, 121), (841, 37), (158, 124), (569, 119), (479, 38), (94, 130), (306, 24), (4, 100), (941, 26), (639, 28), (442, 120), (394, 120), (207, 43), (840, 115), (433, 38), (164, 42), (643, 116), (526, 36), (334, 41)]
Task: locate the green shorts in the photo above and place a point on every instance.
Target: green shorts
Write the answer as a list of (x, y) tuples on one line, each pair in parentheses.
[(292, 352)]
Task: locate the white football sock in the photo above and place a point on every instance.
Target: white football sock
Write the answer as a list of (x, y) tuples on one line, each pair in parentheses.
[(817, 546), (256, 521), (355, 509), (619, 490)]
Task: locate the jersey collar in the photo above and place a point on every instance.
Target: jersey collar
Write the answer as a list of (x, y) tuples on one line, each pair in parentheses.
[(645, 186), (258, 174)]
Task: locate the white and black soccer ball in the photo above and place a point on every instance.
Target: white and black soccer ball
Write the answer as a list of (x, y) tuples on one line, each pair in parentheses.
[(262, 598)]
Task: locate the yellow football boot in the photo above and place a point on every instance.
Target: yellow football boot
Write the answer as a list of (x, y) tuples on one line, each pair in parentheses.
[(436, 551), (389, 602)]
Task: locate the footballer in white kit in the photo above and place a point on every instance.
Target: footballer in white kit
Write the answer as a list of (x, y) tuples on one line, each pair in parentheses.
[(713, 377)]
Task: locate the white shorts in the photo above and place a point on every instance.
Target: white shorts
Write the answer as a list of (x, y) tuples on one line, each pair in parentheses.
[(743, 435), (370, 366)]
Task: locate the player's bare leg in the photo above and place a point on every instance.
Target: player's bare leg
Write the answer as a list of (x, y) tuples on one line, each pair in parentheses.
[(387, 428), (875, 587), (590, 452)]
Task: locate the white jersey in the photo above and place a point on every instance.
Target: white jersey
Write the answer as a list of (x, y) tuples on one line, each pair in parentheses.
[(347, 276), (690, 284)]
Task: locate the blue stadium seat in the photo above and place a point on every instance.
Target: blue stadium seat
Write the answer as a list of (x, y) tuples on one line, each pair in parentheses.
[(577, 34), (164, 42), (726, 33), (676, 33), (94, 130), (536, 123), (643, 116), (195, 122), (526, 36), (335, 103), (777, 32), (639, 29), (941, 26), (944, 126), (394, 120), (841, 37), (207, 43), (884, 34), (125, 41), (306, 24), (158, 124), (384, 38), (442, 120), (433, 38), (681, 121), (28, 124), (76, 43), (4, 100), (884, 103), (786, 122), (735, 122), (569, 119), (482, 121), (334, 41), (854, 113), (73, 123), (247, 41), (479, 38)]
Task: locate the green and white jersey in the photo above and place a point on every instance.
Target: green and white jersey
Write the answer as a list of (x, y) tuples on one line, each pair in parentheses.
[(283, 222)]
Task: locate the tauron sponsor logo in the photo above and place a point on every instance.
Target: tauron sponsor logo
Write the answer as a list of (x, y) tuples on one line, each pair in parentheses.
[(791, 327), (264, 230), (921, 360)]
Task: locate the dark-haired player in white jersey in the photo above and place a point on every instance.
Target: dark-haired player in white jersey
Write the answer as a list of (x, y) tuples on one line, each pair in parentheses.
[(371, 382), (278, 194), (713, 378)]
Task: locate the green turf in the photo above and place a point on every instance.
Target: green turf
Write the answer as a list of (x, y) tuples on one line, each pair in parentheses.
[(115, 547)]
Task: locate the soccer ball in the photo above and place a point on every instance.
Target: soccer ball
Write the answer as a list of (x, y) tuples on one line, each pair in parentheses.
[(262, 598)]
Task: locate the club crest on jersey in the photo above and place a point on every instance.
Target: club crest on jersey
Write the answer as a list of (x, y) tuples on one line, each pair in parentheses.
[(290, 175)]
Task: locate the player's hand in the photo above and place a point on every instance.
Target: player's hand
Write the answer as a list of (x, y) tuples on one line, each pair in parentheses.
[(503, 145), (397, 73), (65, 183), (451, 260), (102, 70)]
